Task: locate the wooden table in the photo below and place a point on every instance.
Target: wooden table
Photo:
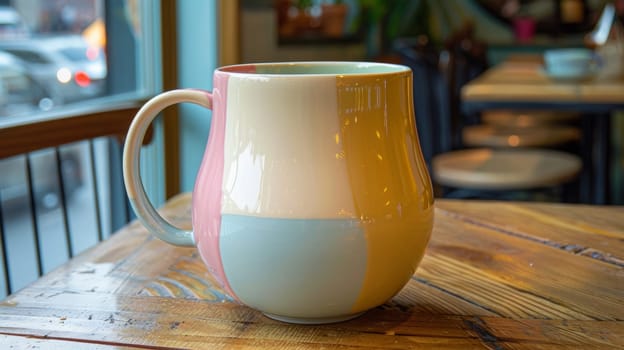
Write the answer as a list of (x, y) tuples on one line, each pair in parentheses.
[(497, 275), (521, 79), (520, 83)]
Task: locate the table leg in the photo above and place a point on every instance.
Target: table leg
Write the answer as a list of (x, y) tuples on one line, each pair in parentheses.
[(603, 158), (596, 146), (586, 178)]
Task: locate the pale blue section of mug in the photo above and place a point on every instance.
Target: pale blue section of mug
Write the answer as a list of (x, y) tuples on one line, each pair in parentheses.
[(310, 268)]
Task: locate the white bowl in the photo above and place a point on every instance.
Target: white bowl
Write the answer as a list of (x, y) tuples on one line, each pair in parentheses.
[(573, 63)]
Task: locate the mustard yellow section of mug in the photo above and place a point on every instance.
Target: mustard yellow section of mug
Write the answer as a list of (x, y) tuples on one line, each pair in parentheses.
[(390, 184)]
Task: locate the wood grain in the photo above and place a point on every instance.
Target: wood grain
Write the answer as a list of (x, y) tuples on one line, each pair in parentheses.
[(22, 342), (576, 229), (489, 280), (524, 278)]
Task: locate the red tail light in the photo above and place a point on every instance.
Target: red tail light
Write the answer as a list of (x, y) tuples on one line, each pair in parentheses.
[(82, 79)]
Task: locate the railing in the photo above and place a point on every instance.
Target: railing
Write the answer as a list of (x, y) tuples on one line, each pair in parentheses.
[(61, 190)]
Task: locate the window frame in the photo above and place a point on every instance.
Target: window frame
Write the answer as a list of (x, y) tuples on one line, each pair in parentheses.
[(114, 113), (118, 110)]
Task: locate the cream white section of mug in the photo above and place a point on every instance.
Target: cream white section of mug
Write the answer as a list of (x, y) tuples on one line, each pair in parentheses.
[(283, 149)]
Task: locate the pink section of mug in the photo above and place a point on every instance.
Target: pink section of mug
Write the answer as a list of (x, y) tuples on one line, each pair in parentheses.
[(239, 68), (208, 188)]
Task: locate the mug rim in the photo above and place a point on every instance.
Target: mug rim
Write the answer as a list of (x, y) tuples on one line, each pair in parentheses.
[(333, 68)]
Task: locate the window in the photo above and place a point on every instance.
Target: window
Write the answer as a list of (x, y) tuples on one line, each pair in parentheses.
[(69, 59)]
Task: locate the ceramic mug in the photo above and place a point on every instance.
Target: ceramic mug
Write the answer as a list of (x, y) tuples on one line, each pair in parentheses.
[(312, 203)]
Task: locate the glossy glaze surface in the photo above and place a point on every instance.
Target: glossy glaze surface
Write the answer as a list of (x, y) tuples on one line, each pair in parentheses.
[(207, 197), (311, 268), (390, 184), (321, 159), (282, 147), (315, 148)]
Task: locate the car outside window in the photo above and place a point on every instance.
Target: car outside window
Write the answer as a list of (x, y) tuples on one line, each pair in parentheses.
[(61, 58)]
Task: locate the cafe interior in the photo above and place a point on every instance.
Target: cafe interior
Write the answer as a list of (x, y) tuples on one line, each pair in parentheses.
[(518, 109), (514, 100), (493, 115)]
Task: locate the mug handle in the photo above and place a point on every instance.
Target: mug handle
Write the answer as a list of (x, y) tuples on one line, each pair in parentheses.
[(141, 204)]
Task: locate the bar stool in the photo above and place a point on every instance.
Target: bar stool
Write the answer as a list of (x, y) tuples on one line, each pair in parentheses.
[(504, 129), (527, 119), (486, 173), (499, 128), (475, 172), (483, 135)]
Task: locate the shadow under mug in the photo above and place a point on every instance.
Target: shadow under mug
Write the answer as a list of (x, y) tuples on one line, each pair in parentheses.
[(312, 203)]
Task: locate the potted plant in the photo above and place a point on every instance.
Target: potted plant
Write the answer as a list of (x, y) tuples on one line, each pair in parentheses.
[(381, 21), (294, 17), (333, 17)]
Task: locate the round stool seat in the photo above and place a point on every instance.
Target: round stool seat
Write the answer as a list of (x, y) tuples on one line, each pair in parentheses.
[(523, 119), (501, 137), (487, 169)]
